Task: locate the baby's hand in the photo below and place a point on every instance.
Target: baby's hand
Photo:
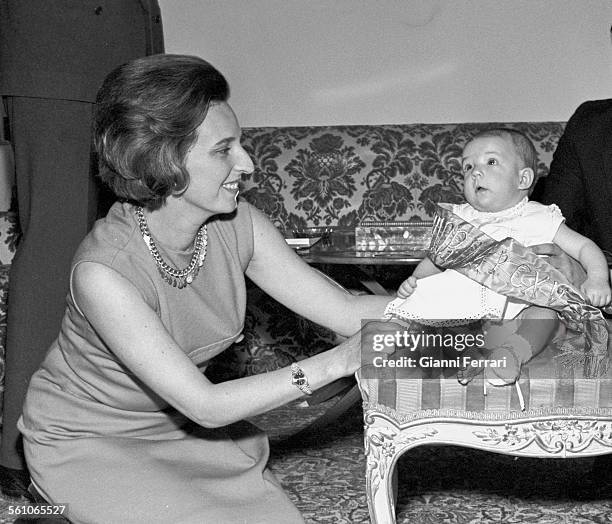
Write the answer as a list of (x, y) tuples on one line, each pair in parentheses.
[(597, 291), (407, 287)]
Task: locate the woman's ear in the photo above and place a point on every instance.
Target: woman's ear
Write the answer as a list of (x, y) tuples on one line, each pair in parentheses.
[(526, 176)]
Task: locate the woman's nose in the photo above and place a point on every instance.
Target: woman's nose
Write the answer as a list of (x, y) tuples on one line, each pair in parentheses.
[(244, 164)]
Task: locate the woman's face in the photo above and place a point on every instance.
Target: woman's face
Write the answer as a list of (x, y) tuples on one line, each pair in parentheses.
[(216, 162)]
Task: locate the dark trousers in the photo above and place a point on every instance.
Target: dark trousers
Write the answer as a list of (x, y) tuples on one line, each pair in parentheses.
[(57, 198)]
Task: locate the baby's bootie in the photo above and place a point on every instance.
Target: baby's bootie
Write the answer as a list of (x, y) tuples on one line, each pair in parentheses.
[(510, 355), (509, 358)]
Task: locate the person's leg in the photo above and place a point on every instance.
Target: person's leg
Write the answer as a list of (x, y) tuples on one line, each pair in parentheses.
[(56, 204), (536, 328), (514, 342)]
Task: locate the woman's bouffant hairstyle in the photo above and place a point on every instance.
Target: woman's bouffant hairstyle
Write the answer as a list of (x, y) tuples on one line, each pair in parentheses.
[(147, 115)]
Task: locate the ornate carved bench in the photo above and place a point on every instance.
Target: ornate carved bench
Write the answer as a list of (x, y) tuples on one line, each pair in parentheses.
[(565, 416)]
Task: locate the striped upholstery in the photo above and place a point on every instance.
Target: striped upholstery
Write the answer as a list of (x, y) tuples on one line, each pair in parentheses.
[(546, 386)]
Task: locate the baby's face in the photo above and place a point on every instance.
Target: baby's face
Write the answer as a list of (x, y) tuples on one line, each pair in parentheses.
[(491, 174)]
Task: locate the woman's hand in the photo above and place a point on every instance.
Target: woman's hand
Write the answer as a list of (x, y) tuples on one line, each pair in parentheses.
[(376, 337), (559, 259)]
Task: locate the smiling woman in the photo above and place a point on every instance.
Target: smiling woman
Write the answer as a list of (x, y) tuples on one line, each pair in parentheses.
[(157, 290), (216, 162)]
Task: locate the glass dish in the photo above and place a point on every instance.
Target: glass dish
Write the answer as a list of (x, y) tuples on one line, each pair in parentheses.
[(306, 237)]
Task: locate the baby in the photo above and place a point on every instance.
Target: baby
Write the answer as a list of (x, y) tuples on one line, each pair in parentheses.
[(499, 167)]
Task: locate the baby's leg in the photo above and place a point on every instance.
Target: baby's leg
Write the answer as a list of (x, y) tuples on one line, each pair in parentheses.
[(514, 342), (536, 328)]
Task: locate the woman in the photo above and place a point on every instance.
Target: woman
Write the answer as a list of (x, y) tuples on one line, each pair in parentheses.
[(120, 422)]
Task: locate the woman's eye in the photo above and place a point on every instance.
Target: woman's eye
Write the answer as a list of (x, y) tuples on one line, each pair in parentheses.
[(224, 151), (467, 168), (492, 161)]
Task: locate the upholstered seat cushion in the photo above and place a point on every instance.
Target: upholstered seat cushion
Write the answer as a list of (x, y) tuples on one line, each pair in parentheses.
[(547, 387)]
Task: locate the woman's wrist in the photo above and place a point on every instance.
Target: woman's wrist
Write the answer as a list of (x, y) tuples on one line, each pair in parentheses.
[(348, 357)]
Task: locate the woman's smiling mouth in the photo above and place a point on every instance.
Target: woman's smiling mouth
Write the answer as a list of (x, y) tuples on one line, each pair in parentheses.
[(232, 186)]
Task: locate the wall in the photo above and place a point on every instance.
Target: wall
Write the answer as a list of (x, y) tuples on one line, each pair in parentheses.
[(317, 62)]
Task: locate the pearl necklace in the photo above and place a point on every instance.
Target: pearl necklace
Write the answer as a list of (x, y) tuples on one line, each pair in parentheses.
[(175, 277)]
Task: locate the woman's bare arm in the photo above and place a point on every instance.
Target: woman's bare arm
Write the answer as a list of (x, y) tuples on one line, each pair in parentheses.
[(281, 273), (135, 334)]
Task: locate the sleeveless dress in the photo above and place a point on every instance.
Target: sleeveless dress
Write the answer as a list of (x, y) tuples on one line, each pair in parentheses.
[(98, 439)]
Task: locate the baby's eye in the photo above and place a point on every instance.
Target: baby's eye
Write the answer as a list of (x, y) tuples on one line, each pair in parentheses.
[(492, 161), (467, 168)]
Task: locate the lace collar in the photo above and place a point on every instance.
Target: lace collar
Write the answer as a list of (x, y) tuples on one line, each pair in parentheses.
[(511, 212)]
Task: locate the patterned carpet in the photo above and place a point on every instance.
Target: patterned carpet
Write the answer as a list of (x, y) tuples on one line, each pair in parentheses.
[(324, 476), (325, 479)]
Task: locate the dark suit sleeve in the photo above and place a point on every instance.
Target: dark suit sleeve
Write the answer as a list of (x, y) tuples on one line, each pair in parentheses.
[(564, 184), (63, 49)]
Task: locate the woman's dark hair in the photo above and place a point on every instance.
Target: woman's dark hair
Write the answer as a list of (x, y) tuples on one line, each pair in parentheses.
[(147, 115)]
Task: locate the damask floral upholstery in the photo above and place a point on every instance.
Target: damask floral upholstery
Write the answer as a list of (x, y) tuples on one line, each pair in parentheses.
[(340, 176)]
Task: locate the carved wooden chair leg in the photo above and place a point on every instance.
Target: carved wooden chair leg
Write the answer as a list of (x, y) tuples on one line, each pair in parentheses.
[(381, 475), (395, 486)]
